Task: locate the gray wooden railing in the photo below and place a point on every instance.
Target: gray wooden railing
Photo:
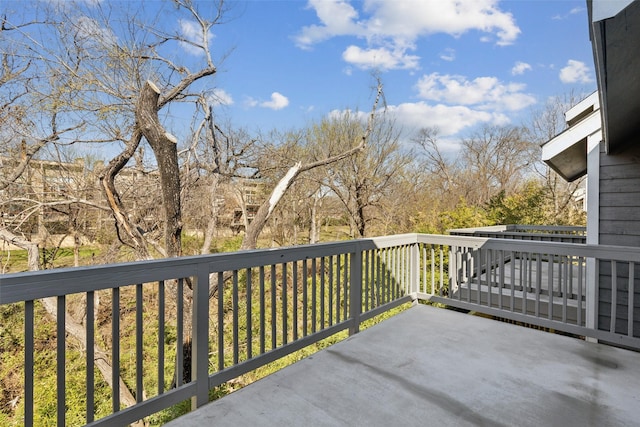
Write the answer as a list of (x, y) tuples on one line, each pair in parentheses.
[(267, 304), (543, 233)]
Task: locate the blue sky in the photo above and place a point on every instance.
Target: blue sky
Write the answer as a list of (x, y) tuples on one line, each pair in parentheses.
[(451, 64), (455, 65)]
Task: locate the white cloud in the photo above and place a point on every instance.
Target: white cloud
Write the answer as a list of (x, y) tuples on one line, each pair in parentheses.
[(400, 23), (337, 18), (67, 5), (575, 72), (250, 102), (277, 102), (448, 54), (192, 32), (219, 97), (450, 120), (380, 58), (92, 35), (486, 93), (519, 68), (574, 11)]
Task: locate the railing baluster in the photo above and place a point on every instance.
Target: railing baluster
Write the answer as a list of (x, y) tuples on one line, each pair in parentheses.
[(345, 281), (442, 272), (355, 288), (314, 295), (479, 275), (338, 298), (526, 276), (220, 321), (115, 349), (429, 256), (61, 359), (284, 304), (376, 277), (565, 287), (139, 343), (550, 286), (395, 276), (502, 278), (422, 270), (305, 296), (433, 269), (491, 277), (384, 276), (294, 300), (90, 357), (180, 331), (402, 271), (161, 333), (386, 273), (249, 323), (28, 362), (366, 285), (512, 298), (331, 284), (382, 271), (457, 274), (235, 315), (262, 310), (538, 283), (200, 336), (571, 260), (274, 316), (322, 291)]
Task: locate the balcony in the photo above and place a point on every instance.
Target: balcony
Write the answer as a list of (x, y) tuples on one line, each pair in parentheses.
[(242, 311)]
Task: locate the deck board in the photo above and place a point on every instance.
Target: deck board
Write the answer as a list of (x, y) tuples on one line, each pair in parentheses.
[(431, 366)]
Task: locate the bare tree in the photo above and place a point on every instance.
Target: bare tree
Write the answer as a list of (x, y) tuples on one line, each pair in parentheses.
[(443, 170), (106, 86), (546, 123), (363, 181), (495, 159)]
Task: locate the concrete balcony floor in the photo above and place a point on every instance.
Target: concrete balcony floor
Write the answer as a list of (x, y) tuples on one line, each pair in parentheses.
[(430, 366)]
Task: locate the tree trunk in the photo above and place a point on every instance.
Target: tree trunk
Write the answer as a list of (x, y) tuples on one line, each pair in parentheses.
[(164, 146), (33, 256), (133, 235), (265, 210), (213, 219), (314, 229)]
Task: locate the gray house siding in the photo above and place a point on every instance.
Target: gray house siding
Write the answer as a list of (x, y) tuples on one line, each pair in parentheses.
[(619, 224), (622, 298), (620, 198)]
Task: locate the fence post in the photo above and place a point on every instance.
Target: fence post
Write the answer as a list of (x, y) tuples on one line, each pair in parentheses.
[(591, 295), (200, 336), (414, 272), (355, 296)]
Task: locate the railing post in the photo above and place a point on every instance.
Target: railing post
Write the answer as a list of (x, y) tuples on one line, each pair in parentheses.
[(591, 295), (414, 271), (355, 296), (453, 271), (200, 336)]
